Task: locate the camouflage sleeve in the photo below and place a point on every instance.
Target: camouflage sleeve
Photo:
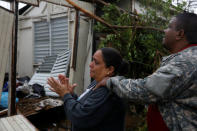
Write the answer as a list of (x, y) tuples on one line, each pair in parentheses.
[(150, 89)]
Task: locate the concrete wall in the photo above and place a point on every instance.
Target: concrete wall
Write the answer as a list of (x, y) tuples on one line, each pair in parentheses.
[(132, 6), (84, 53), (25, 49)]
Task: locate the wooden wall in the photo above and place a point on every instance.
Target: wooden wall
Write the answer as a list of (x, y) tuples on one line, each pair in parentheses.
[(6, 26)]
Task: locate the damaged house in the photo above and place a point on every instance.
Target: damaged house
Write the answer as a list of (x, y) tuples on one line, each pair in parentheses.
[(53, 30), (50, 29)]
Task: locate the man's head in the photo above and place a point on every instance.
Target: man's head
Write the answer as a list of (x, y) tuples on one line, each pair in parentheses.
[(188, 22), (182, 30)]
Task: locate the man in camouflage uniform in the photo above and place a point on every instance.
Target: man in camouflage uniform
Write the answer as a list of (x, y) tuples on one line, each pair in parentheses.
[(172, 88)]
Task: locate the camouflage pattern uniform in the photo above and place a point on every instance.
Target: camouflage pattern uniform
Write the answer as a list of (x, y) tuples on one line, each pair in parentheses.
[(173, 87)]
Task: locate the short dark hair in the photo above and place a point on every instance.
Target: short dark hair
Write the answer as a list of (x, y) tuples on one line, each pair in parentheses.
[(188, 22), (112, 57)]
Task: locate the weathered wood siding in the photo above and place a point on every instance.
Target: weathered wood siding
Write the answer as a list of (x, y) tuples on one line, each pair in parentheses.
[(6, 25), (16, 123)]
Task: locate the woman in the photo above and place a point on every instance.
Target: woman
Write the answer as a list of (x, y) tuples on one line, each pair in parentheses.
[(96, 109)]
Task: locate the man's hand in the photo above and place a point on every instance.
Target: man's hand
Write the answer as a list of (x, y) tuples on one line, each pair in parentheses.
[(101, 83)]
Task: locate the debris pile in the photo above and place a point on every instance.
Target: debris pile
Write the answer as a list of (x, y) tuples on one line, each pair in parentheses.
[(32, 106)]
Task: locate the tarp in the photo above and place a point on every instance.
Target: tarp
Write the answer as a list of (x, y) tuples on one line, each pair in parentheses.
[(6, 26), (4, 100)]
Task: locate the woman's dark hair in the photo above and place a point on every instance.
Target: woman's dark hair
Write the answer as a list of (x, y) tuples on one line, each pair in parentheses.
[(113, 58), (188, 22)]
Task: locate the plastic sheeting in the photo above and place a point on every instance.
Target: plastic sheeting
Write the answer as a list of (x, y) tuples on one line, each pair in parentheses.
[(4, 100)]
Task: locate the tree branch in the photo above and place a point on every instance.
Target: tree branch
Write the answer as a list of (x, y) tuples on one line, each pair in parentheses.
[(138, 27), (113, 27)]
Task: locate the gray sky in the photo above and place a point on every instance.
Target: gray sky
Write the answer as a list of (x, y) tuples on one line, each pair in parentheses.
[(7, 4), (193, 8)]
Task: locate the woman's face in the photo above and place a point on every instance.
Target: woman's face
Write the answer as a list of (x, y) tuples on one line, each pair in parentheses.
[(98, 69)]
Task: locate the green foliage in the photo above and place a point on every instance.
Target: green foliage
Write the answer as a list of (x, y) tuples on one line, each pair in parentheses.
[(142, 48)]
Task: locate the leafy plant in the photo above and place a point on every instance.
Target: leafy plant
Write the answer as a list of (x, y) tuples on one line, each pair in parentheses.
[(142, 48)]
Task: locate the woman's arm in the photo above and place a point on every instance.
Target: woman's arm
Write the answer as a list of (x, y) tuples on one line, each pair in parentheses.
[(88, 113), (62, 86)]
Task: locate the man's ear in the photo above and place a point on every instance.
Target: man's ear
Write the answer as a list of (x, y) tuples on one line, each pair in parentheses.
[(180, 34)]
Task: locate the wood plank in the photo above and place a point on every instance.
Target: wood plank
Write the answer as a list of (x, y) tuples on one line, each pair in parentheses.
[(16, 123), (2, 127), (13, 123), (27, 123), (20, 123), (7, 124), (8, 37), (6, 25), (1, 44), (2, 35)]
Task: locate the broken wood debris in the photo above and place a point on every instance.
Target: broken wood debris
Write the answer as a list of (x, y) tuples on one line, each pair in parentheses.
[(32, 106)]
